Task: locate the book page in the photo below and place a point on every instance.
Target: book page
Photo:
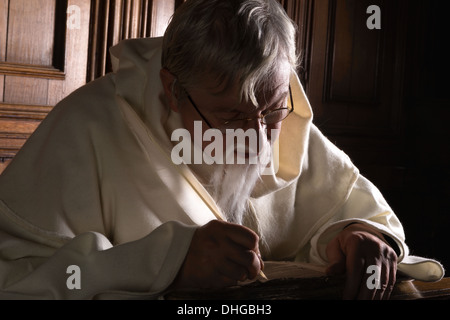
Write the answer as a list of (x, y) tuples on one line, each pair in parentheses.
[(285, 280), (275, 270)]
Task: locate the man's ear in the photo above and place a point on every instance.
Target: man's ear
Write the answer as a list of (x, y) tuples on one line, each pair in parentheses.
[(168, 81)]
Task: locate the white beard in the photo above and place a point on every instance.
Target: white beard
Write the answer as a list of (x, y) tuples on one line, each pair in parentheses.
[(231, 185)]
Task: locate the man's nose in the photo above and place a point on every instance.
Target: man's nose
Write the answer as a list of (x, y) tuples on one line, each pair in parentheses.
[(260, 130)]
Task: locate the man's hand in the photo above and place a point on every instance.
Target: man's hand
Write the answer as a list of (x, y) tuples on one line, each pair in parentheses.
[(220, 255), (352, 251)]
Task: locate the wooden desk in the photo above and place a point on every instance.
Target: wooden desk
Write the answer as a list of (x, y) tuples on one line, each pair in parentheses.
[(323, 288), (419, 290)]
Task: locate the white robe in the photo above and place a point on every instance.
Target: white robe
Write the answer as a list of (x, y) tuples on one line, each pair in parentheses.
[(95, 187)]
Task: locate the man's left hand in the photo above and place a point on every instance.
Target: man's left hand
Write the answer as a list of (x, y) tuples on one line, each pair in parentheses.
[(352, 251)]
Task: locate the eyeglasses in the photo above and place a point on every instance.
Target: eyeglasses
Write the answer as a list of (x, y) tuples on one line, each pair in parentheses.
[(271, 117)]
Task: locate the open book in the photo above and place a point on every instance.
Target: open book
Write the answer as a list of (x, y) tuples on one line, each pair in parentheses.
[(286, 281), (289, 270)]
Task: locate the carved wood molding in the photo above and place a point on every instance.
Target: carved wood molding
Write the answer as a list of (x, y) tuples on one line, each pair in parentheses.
[(17, 123), (112, 21), (24, 112), (333, 46), (28, 70), (301, 12), (53, 70), (116, 20)]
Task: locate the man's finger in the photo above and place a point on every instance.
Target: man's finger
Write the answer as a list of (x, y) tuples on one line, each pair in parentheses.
[(354, 275), (243, 236), (371, 282), (392, 280), (247, 259), (336, 258)]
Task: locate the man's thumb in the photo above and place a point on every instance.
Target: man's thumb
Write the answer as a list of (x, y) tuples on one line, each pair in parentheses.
[(336, 259)]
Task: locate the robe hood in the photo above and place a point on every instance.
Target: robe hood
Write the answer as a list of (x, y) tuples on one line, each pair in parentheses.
[(137, 62)]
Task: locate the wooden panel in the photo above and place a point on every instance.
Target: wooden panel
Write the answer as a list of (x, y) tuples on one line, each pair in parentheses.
[(24, 112), (23, 52), (27, 70), (300, 11), (43, 64), (355, 80), (17, 123), (31, 32), (100, 14), (355, 77), (25, 90), (116, 20), (135, 18), (44, 70), (2, 83), (355, 59), (318, 56), (4, 8), (75, 56), (16, 128), (162, 10)]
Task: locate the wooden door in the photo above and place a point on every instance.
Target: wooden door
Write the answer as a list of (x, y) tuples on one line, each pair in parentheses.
[(354, 79), (41, 61), (381, 96), (49, 48), (116, 20)]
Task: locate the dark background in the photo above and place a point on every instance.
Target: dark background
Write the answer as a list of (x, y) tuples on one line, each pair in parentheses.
[(383, 97), (423, 202), (408, 156)]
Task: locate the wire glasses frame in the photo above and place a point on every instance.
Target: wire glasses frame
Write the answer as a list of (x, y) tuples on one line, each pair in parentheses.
[(263, 118)]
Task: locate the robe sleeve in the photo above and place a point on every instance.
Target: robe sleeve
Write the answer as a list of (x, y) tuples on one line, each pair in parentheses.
[(68, 199), (347, 197), (366, 205), (35, 264)]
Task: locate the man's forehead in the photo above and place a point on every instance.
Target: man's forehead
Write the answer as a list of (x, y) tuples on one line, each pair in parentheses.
[(271, 85), (273, 90)]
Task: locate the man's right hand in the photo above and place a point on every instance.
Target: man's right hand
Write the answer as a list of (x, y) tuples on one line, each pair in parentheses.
[(220, 255)]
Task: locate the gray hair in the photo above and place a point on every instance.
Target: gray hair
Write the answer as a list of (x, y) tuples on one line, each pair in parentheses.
[(232, 40)]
